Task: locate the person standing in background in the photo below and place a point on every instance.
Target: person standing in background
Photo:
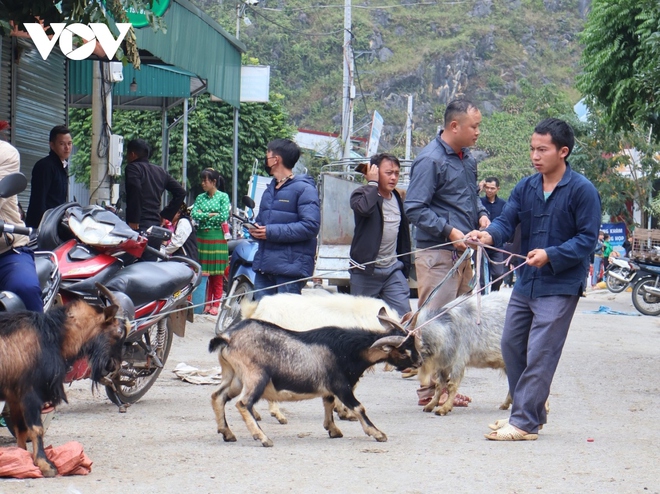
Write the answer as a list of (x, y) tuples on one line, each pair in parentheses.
[(50, 176), (210, 210), (494, 205)]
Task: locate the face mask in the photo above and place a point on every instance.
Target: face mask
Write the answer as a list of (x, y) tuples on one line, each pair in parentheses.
[(267, 168)]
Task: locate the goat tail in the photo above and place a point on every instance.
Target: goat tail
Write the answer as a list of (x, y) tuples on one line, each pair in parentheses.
[(216, 343)]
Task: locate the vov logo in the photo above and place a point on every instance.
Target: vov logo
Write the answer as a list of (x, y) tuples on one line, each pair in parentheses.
[(93, 33)]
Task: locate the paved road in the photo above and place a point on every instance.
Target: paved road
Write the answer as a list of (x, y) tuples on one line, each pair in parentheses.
[(606, 389)]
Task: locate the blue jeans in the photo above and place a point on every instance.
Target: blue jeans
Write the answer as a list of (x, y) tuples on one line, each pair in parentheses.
[(594, 276), (18, 275), (264, 285)]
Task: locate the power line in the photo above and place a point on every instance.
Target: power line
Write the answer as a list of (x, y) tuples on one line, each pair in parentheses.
[(365, 7), (289, 30)]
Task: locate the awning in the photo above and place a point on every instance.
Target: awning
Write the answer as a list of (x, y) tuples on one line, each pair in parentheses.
[(158, 87), (196, 43), (194, 48)]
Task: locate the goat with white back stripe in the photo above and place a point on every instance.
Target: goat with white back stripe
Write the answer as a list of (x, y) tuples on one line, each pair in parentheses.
[(261, 360)]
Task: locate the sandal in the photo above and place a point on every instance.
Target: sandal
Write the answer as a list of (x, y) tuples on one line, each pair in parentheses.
[(498, 424), (510, 433)]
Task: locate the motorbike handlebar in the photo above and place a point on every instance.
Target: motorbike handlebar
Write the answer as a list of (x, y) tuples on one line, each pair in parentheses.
[(157, 253), (9, 228)]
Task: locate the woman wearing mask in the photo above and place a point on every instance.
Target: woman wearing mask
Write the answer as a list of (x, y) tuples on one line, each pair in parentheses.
[(210, 210)]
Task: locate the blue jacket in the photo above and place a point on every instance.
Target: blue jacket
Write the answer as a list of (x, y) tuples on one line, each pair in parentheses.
[(292, 217), (442, 194), (566, 226)]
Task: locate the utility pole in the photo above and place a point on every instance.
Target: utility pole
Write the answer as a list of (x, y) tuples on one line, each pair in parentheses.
[(99, 182), (409, 126), (240, 13), (349, 88)]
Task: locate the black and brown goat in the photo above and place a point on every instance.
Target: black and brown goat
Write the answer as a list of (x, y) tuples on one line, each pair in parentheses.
[(262, 360), (37, 349)]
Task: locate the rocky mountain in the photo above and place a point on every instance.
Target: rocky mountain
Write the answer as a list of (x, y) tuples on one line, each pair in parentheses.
[(435, 50)]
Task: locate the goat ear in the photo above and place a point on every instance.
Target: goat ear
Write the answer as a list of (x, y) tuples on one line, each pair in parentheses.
[(387, 322), (109, 313)]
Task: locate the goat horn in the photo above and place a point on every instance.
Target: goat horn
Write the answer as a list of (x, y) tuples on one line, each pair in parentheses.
[(109, 295), (394, 341)]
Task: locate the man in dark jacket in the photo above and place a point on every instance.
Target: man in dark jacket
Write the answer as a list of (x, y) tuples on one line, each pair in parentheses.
[(50, 178), (559, 214), (494, 205), (287, 224), (145, 184), (442, 201), (381, 232)]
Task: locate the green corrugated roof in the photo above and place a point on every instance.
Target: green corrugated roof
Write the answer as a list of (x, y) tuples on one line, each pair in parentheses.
[(152, 80), (196, 43)]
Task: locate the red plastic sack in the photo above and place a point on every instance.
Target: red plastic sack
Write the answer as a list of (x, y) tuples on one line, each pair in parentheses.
[(70, 459)]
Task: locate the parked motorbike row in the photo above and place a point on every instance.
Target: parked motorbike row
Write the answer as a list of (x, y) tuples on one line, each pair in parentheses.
[(644, 277), (77, 247)]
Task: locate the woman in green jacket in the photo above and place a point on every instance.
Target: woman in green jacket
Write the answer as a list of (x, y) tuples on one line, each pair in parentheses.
[(210, 210)]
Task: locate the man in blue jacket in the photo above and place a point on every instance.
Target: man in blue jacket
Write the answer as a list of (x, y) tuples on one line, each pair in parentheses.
[(287, 224), (559, 214), (443, 203)]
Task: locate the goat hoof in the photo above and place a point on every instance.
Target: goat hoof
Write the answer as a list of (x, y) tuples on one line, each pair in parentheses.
[(504, 406), (442, 411), (47, 469), (267, 443), (381, 438), (228, 438), (429, 408), (282, 420), (335, 434)]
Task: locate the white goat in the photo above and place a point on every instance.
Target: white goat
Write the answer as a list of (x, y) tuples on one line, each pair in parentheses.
[(455, 341)]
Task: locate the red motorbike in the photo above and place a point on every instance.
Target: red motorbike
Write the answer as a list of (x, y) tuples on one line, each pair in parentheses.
[(94, 245)]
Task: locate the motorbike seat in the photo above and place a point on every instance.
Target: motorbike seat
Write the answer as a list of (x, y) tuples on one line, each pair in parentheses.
[(146, 281), (231, 244)]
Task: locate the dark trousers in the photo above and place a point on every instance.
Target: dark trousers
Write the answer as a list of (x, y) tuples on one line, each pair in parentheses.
[(535, 330), (18, 275), (388, 284), (264, 283)]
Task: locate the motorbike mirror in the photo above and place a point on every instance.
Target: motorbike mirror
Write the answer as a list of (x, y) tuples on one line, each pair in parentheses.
[(12, 184), (249, 202)]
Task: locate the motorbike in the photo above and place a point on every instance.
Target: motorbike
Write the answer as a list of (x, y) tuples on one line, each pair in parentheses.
[(646, 289), (240, 278), (93, 245), (619, 274)]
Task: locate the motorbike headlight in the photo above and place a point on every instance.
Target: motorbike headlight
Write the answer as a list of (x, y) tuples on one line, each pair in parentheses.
[(92, 232)]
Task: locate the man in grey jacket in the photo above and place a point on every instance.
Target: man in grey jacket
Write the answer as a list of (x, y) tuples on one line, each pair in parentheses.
[(443, 203)]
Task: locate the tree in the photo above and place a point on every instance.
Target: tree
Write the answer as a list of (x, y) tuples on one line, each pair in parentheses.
[(505, 134), (15, 13), (210, 138), (621, 63)]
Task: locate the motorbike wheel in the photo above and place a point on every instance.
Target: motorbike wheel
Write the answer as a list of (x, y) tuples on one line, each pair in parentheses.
[(45, 420), (131, 382), (614, 285), (233, 314), (644, 301)]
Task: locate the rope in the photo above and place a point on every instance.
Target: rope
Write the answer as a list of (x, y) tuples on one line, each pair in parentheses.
[(466, 253)]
